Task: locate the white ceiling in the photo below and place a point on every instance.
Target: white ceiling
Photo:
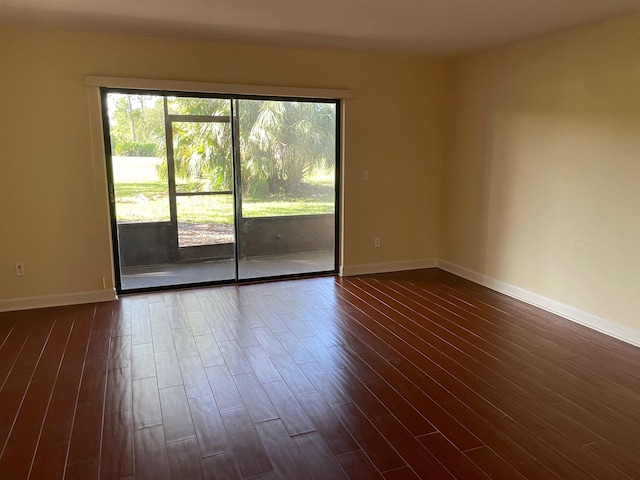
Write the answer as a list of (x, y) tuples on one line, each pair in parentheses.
[(417, 26)]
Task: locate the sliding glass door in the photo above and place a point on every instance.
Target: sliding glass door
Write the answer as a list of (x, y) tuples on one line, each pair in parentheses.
[(210, 189), (288, 187)]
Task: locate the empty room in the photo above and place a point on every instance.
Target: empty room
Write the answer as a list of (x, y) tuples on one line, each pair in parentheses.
[(394, 240)]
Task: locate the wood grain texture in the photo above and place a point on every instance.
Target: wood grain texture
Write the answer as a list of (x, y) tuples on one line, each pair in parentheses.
[(405, 375)]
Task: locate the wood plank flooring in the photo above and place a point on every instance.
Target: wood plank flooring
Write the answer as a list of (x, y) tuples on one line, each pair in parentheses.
[(399, 376)]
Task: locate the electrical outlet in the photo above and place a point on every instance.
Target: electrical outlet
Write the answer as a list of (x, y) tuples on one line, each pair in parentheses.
[(20, 271), (376, 242)]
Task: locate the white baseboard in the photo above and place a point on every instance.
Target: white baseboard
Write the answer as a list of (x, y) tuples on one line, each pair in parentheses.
[(386, 267), (602, 325), (27, 303)]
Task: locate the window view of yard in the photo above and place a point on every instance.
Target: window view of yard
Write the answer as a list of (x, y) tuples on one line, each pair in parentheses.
[(211, 189), (141, 196), (287, 157)]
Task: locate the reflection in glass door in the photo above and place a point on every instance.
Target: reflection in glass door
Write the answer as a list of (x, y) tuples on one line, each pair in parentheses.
[(208, 189)]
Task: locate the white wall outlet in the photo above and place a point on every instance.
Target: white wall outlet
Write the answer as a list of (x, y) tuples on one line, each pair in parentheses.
[(376, 242), (20, 270)]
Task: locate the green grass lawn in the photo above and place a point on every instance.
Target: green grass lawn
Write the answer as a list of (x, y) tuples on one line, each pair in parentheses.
[(141, 197)]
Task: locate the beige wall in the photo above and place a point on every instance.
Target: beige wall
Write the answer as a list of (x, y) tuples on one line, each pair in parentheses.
[(53, 210), (542, 188)]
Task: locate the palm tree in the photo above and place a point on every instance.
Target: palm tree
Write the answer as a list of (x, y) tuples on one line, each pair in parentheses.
[(202, 150), (281, 142), (284, 141)]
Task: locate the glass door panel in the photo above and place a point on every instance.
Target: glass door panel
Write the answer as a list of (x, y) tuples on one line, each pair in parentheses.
[(288, 177), (139, 189)]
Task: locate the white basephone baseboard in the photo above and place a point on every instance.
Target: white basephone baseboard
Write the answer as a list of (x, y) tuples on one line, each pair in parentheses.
[(386, 267), (44, 301), (602, 325)]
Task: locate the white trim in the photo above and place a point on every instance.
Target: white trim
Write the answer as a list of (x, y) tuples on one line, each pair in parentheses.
[(27, 303), (100, 177), (365, 269), (470, 275), (341, 197), (222, 88), (602, 325)]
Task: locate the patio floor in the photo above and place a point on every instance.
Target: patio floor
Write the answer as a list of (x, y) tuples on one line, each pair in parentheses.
[(153, 276)]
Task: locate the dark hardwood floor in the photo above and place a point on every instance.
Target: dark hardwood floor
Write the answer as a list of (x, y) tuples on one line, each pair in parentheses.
[(399, 376)]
